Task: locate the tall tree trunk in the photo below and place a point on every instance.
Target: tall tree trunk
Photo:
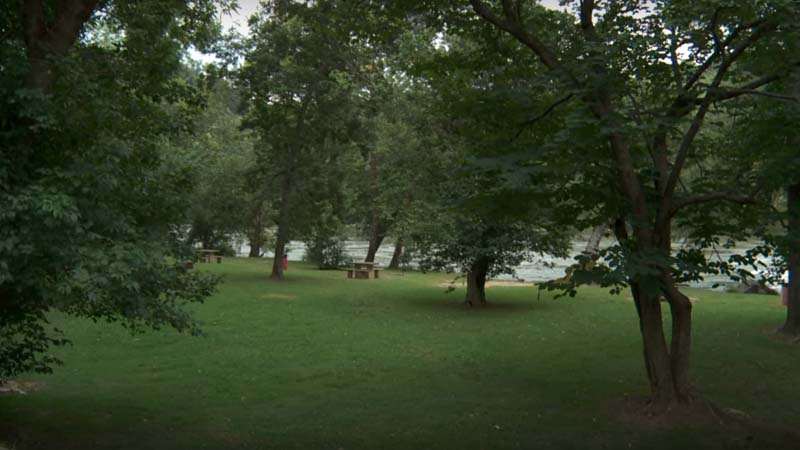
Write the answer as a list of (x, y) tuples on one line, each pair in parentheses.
[(681, 345), (681, 311), (48, 39), (476, 282), (374, 244), (376, 230), (657, 357), (255, 248), (397, 254), (667, 368), (593, 244), (283, 229), (792, 324), (280, 251), (637, 302), (256, 234)]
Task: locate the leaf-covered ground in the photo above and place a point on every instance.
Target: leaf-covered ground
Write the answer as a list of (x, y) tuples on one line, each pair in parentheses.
[(324, 362)]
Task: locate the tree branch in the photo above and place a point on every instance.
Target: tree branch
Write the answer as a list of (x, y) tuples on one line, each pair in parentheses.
[(543, 114), (718, 48), (587, 9), (711, 197), (719, 51), (726, 94), (32, 22), (660, 156), (71, 15), (510, 11), (694, 127), (673, 57), (722, 94), (45, 42), (514, 28)]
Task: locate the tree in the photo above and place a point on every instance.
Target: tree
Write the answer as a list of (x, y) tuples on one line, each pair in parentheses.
[(387, 178), (300, 88), (226, 198), (90, 205), (786, 165), (484, 243), (647, 80), (478, 220), (767, 142)]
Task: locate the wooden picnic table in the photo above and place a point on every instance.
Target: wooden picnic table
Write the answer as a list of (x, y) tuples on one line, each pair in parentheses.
[(207, 255), (363, 270)]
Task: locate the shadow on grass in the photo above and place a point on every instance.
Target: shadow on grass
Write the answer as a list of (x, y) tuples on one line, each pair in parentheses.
[(455, 304)]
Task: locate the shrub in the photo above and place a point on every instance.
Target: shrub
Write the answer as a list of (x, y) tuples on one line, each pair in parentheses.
[(327, 252)]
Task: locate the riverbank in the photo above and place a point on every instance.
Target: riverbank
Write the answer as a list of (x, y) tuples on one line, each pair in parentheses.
[(543, 268)]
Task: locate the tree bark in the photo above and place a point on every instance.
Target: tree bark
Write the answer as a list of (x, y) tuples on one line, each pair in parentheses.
[(256, 233), (46, 41), (593, 244), (681, 345), (283, 229), (277, 262), (792, 324), (374, 244), (637, 302), (476, 282), (656, 353), (255, 249), (397, 254), (667, 368), (376, 230)]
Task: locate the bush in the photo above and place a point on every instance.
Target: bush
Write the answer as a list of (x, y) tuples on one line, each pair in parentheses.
[(327, 252)]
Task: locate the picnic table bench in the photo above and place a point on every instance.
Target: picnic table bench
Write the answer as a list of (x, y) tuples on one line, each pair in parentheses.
[(362, 271), (208, 255)]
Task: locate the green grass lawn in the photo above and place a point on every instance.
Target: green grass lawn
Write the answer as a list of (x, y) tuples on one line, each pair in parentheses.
[(323, 362)]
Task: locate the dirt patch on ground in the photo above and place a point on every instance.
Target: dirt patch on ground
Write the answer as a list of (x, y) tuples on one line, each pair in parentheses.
[(11, 387), (637, 413), (736, 428), (278, 296), (493, 283)]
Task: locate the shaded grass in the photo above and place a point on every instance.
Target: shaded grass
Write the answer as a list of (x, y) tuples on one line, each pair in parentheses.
[(320, 361)]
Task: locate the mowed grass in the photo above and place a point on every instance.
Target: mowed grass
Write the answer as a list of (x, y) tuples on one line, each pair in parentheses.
[(322, 362)]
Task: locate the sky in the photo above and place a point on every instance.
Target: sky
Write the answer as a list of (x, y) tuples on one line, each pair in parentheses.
[(238, 20)]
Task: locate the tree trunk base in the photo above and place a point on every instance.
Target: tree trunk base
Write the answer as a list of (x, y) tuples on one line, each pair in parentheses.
[(702, 413), (790, 331), (788, 335), (646, 411), (473, 303)]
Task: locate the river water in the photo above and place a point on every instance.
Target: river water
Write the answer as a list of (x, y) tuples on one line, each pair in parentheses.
[(541, 269)]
